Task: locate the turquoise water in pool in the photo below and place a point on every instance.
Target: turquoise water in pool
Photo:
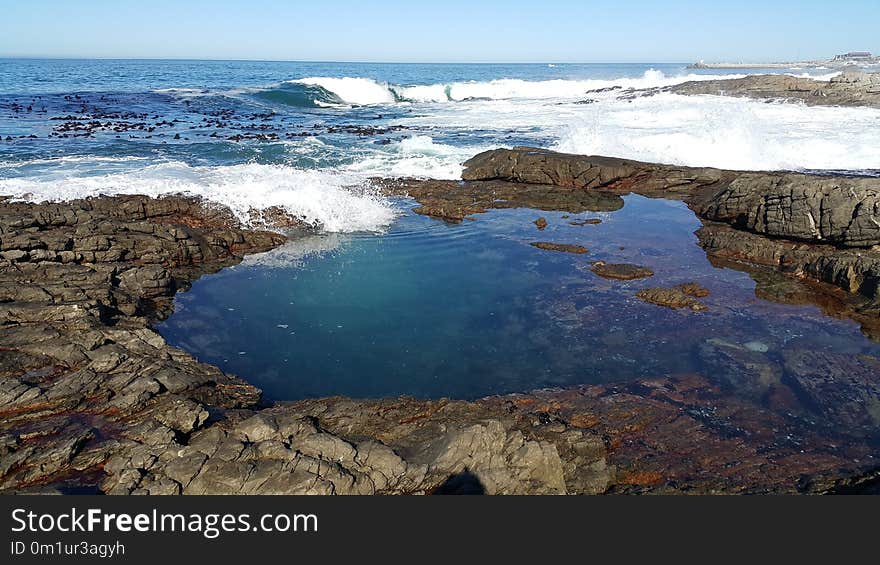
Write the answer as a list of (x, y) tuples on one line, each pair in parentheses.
[(432, 309)]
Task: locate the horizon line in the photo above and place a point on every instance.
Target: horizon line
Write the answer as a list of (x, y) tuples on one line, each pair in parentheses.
[(375, 62)]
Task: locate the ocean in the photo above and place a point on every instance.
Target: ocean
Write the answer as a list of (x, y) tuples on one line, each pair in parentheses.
[(380, 301), (309, 136)]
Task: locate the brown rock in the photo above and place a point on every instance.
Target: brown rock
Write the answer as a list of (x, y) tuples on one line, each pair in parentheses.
[(693, 289), (587, 222), (621, 271), (836, 209), (850, 88), (565, 247), (453, 201), (674, 297)]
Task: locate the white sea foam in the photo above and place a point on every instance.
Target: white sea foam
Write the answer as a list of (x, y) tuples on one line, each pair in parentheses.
[(417, 156), (86, 161), (824, 77), (505, 89), (727, 132), (184, 92), (364, 91), (295, 251), (361, 91), (336, 202), (715, 131), (719, 131)]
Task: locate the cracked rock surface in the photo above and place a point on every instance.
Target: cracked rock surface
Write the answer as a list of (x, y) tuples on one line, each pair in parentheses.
[(93, 400)]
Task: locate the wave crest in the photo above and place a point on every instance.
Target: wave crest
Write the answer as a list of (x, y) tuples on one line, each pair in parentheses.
[(365, 91), (332, 201)]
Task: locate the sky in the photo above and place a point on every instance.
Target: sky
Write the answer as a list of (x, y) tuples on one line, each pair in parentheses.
[(440, 30)]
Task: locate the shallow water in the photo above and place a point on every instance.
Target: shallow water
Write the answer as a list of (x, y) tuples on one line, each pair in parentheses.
[(432, 309)]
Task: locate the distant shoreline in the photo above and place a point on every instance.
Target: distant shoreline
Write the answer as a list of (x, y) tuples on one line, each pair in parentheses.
[(754, 65), (788, 65)]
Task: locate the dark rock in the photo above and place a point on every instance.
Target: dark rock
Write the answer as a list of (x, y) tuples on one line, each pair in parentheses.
[(855, 271), (541, 223), (676, 297), (564, 247), (838, 209), (843, 390), (621, 271), (587, 222), (530, 165), (850, 88), (454, 201), (92, 397)]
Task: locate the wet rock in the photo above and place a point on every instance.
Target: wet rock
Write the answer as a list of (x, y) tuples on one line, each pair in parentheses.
[(541, 223), (816, 208), (453, 201), (564, 247), (693, 289), (837, 210), (529, 165), (850, 88), (587, 222), (676, 297), (739, 368), (843, 390), (277, 217), (855, 271), (620, 271), (91, 396)]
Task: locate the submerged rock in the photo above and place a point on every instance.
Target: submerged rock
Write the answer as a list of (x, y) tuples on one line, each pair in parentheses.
[(621, 271), (843, 390), (677, 297), (587, 222), (564, 247), (740, 369), (693, 289)]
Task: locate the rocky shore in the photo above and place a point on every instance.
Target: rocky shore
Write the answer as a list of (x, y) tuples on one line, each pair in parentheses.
[(93, 400), (851, 87), (823, 227)]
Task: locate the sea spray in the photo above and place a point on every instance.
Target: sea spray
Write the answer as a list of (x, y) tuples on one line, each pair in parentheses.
[(332, 201)]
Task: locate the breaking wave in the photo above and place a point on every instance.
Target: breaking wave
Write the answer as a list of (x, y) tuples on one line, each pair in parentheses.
[(322, 92), (332, 201), (365, 91)]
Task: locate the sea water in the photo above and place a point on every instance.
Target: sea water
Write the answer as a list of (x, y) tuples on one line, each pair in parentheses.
[(472, 309), (301, 135), (381, 301)]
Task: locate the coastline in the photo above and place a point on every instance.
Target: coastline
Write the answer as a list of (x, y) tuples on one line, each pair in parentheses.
[(851, 88), (94, 400), (838, 63), (802, 64)]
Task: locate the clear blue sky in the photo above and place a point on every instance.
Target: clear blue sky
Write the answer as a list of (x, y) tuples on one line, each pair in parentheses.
[(438, 30)]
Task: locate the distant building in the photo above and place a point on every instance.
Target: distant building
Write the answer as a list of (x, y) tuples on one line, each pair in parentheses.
[(854, 56)]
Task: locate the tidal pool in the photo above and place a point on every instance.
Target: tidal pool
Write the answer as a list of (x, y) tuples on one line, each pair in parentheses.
[(433, 309)]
